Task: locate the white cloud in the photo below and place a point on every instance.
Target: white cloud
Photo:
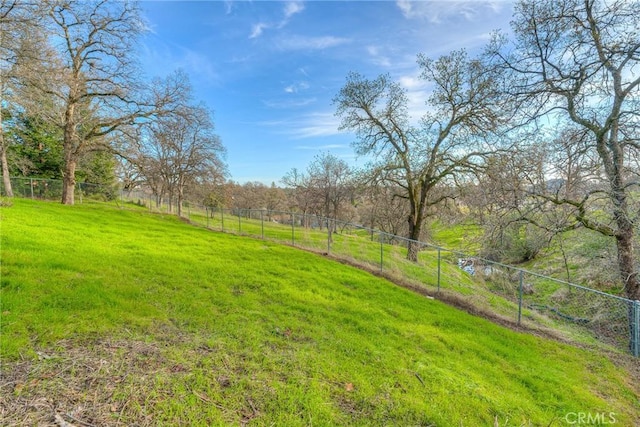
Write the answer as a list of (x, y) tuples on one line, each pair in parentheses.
[(289, 103), (438, 11), (418, 91), (258, 29), (310, 43), (405, 7), (145, 26), (199, 64), (291, 8), (228, 6), (377, 58), (303, 71), (166, 58), (320, 147), (296, 87), (307, 126), (314, 125), (412, 82)]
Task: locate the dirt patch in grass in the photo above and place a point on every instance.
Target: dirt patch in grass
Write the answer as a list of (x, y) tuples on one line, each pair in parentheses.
[(116, 382), (82, 384)]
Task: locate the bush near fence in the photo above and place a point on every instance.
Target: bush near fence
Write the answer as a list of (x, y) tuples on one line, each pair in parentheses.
[(528, 298)]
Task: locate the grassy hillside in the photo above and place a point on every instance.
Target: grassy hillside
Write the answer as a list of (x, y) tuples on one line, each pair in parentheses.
[(122, 317)]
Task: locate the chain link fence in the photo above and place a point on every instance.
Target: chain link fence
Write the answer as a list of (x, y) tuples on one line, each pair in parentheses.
[(526, 298), (51, 189), (518, 296)]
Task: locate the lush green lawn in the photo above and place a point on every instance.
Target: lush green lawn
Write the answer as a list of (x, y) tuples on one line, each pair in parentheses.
[(123, 316)]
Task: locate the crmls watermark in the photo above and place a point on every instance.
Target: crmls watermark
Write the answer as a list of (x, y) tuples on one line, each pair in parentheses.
[(591, 418)]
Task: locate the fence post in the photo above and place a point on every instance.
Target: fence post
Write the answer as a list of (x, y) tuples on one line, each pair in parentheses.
[(239, 221), (206, 212), (635, 328), (31, 185), (520, 296), (439, 258), (381, 253), (262, 222), (328, 236), (222, 218), (293, 232)]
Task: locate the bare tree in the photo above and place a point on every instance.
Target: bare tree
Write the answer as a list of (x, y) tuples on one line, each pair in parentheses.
[(181, 150), (97, 89), (384, 210), (275, 199), (250, 195), (417, 159), (575, 63), (299, 191), (330, 181), (325, 188)]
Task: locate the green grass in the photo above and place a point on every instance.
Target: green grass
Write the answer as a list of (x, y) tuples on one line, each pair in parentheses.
[(166, 323), (463, 237), (549, 308)]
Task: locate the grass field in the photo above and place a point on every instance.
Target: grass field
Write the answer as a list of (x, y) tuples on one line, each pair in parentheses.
[(123, 317)]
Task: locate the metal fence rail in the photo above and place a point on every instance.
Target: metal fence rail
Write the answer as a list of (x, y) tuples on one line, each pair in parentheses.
[(524, 297)]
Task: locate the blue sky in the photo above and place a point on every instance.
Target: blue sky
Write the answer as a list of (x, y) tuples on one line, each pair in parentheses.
[(269, 70)]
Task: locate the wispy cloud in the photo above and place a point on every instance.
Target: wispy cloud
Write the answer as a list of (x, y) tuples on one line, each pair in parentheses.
[(289, 103), (438, 11), (228, 6), (418, 92), (296, 87), (320, 147), (257, 29), (199, 64), (310, 43), (306, 126), (290, 9), (377, 57), (167, 57)]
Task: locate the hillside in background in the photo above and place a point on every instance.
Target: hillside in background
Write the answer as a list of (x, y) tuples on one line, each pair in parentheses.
[(114, 316)]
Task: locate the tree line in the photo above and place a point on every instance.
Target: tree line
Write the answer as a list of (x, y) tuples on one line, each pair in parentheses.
[(534, 136), (76, 106)]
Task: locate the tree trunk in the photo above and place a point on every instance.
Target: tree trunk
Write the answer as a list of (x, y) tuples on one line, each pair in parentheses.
[(626, 263), (70, 147), (413, 247), (8, 190), (69, 181)]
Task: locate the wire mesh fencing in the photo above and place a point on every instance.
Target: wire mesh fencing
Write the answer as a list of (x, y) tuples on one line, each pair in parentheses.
[(529, 299), (525, 298), (51, 189)]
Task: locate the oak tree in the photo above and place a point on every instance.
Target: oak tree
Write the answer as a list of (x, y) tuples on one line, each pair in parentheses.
[(419, 159), (573, 65), (97, 89)]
